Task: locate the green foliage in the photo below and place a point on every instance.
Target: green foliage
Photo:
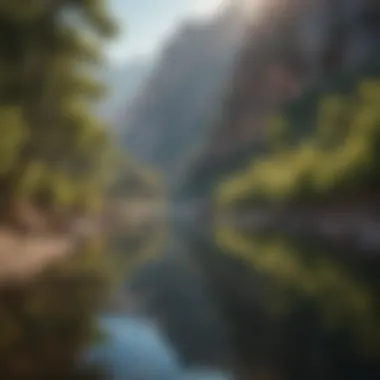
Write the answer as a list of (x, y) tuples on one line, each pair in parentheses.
[(278, 133), (13, 136), (332, 121), (53, 151), (341, 155)]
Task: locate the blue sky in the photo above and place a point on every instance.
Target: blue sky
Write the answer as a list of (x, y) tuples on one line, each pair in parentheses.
[(146, 24)]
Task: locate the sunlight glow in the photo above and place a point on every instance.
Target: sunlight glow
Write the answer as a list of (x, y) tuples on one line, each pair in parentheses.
[(205, 8)]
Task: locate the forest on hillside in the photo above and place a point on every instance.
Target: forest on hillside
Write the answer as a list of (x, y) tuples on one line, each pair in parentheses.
[(54, 152), (322, 146), (56, 155), (305, 109), (301, 64)]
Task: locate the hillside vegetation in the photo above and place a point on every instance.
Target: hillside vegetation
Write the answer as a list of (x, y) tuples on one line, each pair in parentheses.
[(322, 146), (54, 153)]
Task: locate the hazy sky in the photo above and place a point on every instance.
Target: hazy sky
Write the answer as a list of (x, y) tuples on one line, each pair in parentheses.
[(146, 23)]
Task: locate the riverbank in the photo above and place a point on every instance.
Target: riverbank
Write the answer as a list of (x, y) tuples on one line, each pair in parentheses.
[(25, 254), (34, 241), (354, 228), (31, 239)]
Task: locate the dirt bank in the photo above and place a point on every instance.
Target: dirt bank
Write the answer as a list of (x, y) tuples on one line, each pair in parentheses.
[(35, 241), (24, 254)]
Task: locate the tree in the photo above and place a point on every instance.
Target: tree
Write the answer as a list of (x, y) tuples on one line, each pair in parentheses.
[(48, 50)]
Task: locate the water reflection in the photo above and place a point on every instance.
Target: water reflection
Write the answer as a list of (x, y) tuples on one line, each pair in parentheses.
[(173, 292), (46, 323), (296, 311), (266, 307), (194, 306), (134, 350)]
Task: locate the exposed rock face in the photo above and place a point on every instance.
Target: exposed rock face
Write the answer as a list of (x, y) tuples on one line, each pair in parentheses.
[(171, 115), (294, 45)]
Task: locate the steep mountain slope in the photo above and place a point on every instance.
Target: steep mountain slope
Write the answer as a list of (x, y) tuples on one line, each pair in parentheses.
[(293, 47), (170, 115)]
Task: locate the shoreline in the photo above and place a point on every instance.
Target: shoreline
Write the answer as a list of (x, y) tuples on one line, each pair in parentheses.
[(356, 230), (24, 255), (26, 252)]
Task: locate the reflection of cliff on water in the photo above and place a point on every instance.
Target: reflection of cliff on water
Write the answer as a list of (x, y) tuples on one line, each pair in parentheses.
[(46, 323), (341, 289), (142, 239), (269, 307), (297, 310), (167, 287)]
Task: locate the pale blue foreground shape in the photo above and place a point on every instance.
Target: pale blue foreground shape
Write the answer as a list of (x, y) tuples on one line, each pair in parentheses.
[(136, 350)]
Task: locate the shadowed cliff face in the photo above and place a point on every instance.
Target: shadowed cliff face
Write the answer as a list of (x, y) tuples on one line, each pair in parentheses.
[(292, 48), (170, 117)]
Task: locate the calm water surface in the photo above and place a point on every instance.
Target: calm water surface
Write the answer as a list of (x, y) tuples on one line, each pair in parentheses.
[(190, 304)]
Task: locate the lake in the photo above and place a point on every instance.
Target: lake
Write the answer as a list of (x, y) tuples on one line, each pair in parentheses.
[(180, 301)]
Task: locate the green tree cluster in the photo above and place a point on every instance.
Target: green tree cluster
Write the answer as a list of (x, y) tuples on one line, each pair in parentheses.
[(340, 157), (53, 151)]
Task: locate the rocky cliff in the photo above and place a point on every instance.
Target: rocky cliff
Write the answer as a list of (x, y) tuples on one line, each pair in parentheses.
[(172, 114), (292, 47)]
